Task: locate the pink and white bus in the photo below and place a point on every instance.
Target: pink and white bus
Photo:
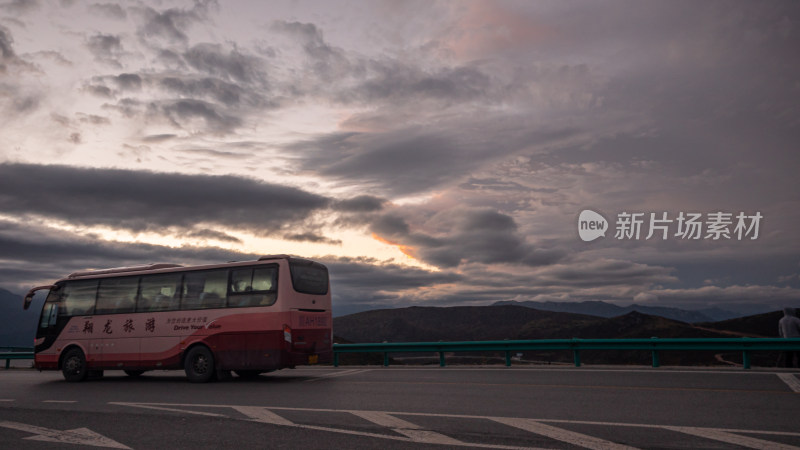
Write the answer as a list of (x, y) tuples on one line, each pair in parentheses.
[(247, 317)]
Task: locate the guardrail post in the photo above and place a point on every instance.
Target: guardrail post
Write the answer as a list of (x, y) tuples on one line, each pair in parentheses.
[(385, 359), (8, 363), (441, 359), (745, 355), (508, 358), (576, 354), (335, 359), (656, 360)]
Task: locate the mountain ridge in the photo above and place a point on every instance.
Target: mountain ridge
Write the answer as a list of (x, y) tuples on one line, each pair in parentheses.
[(603, 309)]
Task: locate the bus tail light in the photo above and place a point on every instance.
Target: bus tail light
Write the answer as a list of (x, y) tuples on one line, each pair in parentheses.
[(287, 334)]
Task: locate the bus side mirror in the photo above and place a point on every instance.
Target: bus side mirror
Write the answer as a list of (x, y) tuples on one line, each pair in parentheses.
[(29, 295)]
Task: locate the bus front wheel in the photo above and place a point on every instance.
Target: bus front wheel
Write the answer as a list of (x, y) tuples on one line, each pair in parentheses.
[(73, 366), (199, 364)]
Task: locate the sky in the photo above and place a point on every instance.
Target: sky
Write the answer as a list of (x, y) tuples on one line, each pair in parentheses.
[(429, 153)]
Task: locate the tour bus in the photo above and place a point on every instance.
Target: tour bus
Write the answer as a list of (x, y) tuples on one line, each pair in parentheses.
[(247, 317)]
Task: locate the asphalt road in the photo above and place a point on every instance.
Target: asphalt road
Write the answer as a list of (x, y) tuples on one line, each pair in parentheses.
[(377, 407)]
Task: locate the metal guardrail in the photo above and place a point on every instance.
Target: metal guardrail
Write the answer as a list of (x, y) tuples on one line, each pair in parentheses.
[(655, 345), (9, 353)]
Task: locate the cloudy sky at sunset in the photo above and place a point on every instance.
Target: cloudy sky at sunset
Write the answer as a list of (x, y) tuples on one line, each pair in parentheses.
[(430, 153)]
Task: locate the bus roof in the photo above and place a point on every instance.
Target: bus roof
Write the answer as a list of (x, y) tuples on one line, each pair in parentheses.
[(157, 266), (88, 272)]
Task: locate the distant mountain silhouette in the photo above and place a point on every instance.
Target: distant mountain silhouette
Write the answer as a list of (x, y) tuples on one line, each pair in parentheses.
[(760, 325), (17, 326), (603, 309), (498, 322), (458, 323)]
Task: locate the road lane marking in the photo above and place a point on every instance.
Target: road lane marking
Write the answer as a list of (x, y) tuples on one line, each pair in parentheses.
[(339, 374), (791, 380), (571, 369), (7, 400), (165, 407), (579, 386), (263, 415), (413, 431), (560, 434), (256, 413), (388, 419), (730, 438), (78, 436)]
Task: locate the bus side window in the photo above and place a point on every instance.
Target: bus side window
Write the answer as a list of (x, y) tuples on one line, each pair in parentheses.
[(117, 295), (159, 292), (252, 286), (78, 298), (206, 289)]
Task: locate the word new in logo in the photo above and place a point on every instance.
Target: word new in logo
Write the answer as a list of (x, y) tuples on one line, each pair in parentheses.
[(591, 225)]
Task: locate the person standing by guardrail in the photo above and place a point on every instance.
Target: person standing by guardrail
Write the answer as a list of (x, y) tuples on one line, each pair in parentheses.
[(789, 327)]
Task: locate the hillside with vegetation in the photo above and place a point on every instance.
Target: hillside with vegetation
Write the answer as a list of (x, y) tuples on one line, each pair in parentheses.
[(514, 322)]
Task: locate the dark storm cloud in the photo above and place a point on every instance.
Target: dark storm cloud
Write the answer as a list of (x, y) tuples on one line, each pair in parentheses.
[(171, 24), (20, 6), (604, 272), (347, 77), (500, 185), (104, 45), (93, 119), (215, 90), (99, 90), (213, 235), (360, 204), (470, 236), (408, 162), (311, 237), (6, 47), (109, 10), (22, 103), (33, 255), (418, 159), (231, 65), (367, 275), (158, 137), (128, 107), (395, 80), (226, 93), (326, 61), (182, 112), (16, 99), (715, 81), (128, 81), (138, 200)]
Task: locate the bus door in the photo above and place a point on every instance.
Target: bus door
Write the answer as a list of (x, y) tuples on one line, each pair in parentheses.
[(56, 329), (47, 332)]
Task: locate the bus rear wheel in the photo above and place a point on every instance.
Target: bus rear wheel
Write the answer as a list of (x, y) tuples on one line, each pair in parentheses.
[(199, 364), (73, 366)]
